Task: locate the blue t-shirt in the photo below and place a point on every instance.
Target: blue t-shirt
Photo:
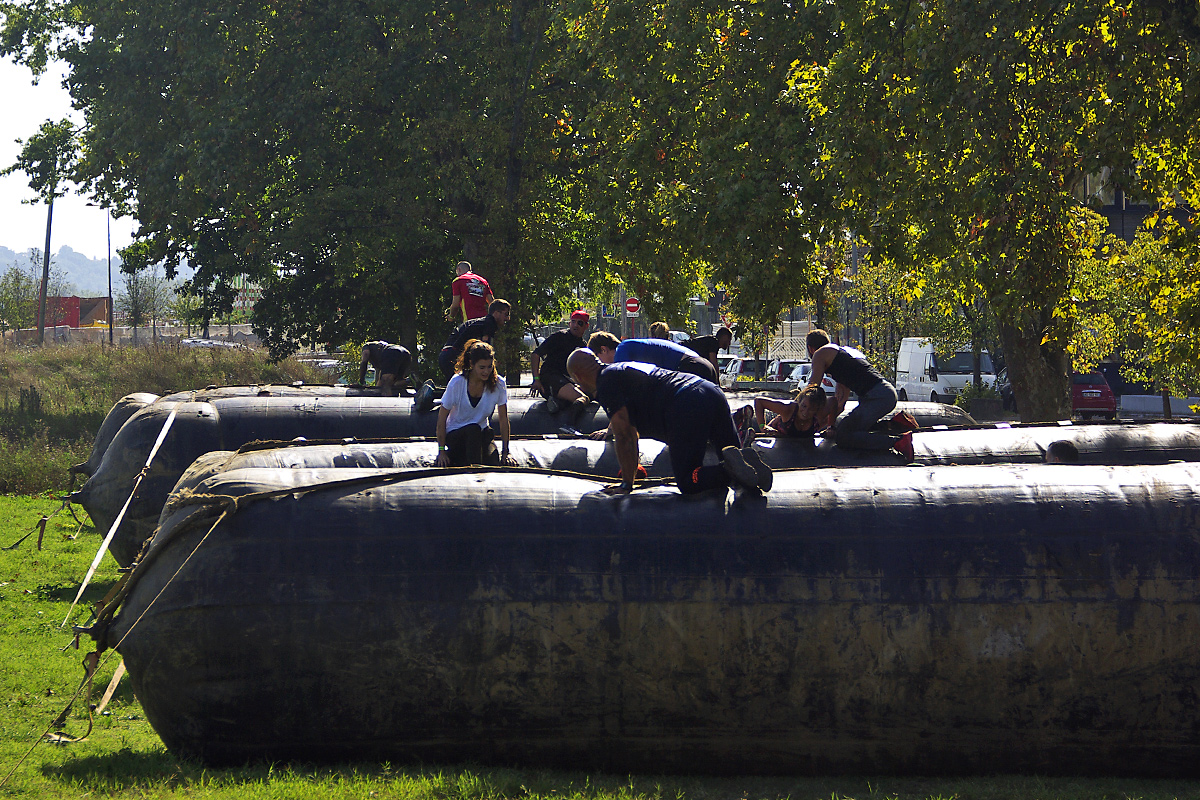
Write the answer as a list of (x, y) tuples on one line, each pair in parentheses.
[(647, 393), (659, 352)]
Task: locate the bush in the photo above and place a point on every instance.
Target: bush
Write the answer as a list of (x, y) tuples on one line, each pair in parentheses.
[(970, 393)]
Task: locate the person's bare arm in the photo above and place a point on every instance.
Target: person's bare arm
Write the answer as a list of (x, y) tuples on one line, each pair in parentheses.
[(625, 437), (505, 435), (456, 308), (820, 362), (535, 369), (443, 458), (765, 404)]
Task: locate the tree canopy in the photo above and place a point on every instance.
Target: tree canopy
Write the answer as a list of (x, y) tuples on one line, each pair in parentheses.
[(345, 155)]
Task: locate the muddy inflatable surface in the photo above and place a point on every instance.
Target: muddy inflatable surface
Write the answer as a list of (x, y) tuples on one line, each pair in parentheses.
[(934, 620), (927, 414), (227, 423), (192, 436)]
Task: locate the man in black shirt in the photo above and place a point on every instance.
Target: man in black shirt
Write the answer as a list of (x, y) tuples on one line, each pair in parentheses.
[(708, 346), (548, 363), (483, 329), (684, 411), (391, 363), (876, 397)]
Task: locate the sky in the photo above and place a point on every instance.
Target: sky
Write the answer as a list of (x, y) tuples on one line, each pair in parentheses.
[(24, 107)]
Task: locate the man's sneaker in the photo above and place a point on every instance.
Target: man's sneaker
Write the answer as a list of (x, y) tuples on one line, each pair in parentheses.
[(737, 469), (766, 478), (904, 446), (424, 399)]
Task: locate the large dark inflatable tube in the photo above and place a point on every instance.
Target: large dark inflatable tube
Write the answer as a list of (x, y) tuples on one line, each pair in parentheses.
[(117, 416), (927, 414), (932, 620), (124, 408), (582, 456), (227, 423), (199, 430)]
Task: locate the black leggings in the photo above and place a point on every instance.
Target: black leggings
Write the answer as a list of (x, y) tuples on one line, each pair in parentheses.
[(697, 365), (471, 445), (699, 415)]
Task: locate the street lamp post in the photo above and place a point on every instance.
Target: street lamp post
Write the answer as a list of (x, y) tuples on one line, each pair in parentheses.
[(108, 231)]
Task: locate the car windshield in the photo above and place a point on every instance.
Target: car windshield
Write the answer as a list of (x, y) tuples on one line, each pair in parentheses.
[(801, 372), (961, 363), (1090, 379)]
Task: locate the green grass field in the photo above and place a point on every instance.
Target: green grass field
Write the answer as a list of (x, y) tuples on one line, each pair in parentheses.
[(124, 758)]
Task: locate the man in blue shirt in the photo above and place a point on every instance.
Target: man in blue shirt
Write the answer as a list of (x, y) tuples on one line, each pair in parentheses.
[(659, 352), (684, 411)]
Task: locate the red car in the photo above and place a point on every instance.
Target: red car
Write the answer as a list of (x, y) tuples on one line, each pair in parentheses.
[(1091, 394)]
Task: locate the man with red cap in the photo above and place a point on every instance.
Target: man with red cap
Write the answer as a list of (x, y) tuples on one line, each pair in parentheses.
[(549, 364)]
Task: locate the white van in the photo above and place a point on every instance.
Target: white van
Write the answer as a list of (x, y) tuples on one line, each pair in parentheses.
[(924, 376)]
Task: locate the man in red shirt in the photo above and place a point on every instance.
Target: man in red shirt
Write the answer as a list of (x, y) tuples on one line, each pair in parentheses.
[(470, 294)]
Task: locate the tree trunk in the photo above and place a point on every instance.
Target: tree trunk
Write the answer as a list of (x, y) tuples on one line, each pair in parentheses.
[(1166, 398), (1038, 372)]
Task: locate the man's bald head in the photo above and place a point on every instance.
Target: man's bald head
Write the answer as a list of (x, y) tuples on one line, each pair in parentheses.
[(463, 267), (583, 366)]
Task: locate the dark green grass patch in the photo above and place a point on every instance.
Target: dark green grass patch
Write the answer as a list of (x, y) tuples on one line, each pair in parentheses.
[(124, 758)]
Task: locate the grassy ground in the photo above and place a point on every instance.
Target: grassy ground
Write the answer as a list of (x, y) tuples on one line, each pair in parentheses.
[(53, 399), (123, 757)]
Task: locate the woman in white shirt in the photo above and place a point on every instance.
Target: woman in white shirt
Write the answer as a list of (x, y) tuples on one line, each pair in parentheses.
[(464, 433)]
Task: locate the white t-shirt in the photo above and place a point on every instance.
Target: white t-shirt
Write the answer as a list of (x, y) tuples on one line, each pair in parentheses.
[(458, 403)]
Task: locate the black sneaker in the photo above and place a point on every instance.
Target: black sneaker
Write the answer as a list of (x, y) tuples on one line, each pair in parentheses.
[(737, 469), (766, 478), (424, 399)]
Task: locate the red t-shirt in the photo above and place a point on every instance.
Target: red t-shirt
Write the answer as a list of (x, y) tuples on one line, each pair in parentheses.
[(473, 290)]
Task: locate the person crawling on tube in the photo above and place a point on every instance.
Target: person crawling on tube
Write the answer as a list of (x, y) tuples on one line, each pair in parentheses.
[(684, 411), (391, 362), (795, 418), (464, 432), (659, 352)]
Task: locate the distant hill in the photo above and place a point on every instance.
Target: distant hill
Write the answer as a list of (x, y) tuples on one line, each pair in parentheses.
[(89, 275)]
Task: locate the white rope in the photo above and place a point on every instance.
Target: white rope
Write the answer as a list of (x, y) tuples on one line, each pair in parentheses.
[(162, 435)]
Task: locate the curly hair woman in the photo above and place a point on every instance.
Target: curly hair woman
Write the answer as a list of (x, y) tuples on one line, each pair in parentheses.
[(464, 432)]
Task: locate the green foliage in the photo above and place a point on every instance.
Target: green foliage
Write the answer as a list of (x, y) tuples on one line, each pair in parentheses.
[(961, 131), (971, 392), (48, 158), (18, 299), (1159, 295)]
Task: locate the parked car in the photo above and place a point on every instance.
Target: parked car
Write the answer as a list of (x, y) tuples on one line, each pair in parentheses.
[(781, 369), (743, 369), (800, 375), (1091, 395)]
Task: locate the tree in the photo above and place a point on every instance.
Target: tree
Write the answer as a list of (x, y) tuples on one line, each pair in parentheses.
[(965, 129), (698, 172), (343, 156), (1159, 296), (48, 158), (18, 299)]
